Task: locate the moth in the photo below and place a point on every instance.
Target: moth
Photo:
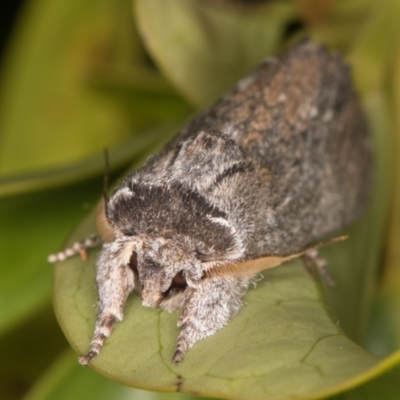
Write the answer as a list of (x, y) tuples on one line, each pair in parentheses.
[(279, 162)]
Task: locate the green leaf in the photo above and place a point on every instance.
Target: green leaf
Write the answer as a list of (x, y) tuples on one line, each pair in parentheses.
[(384, 328), (65, 380), (282, 344), (355, 263), (34, 225), (315, 11), (68, 380), (28, 350), (120, 155), (206, 49), (344, 24), (385, 386), (50, 115)]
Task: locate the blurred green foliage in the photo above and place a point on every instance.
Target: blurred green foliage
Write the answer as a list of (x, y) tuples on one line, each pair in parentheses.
[(82, 76)]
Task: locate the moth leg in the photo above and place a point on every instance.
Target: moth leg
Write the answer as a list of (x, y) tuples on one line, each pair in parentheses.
[(174, 301), (313, 259), (115, 282), (80, 248), (207, 308)]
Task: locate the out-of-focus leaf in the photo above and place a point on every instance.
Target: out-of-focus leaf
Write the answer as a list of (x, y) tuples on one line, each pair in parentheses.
[(33, 225), (27, 350), (120, 155), (49, 113), (68, 380), (356, 263), (281, 345), (315, 10), (384, 332), (343, 25), (373, 48), (385, 386), (391, 279), (147, 98), (203, 49)]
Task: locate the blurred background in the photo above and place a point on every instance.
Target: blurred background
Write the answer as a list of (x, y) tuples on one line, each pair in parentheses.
[(77, 77)]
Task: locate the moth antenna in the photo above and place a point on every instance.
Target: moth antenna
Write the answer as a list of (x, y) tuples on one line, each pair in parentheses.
[(80, 247)]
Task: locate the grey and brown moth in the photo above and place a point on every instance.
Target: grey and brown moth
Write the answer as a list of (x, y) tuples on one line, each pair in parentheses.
[(277, 163)]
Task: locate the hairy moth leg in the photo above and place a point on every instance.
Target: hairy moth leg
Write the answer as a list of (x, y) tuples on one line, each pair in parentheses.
[(207, 308), (115, 281), (80, 248)]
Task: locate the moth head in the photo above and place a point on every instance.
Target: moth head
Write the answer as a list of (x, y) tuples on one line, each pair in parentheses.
[(157, 263), (162, 264)]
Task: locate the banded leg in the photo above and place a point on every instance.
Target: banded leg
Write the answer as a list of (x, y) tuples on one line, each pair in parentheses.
[(115, 282)]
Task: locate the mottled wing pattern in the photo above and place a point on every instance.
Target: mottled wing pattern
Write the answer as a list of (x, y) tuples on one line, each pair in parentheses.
[(298, 119)]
